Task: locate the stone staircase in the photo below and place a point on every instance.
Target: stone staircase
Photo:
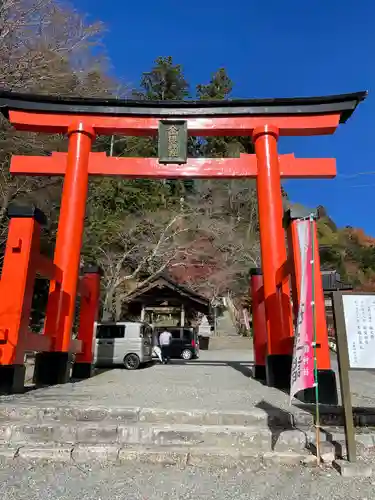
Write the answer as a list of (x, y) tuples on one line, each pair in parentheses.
[(117, 435), (225, 326), (231, 342)]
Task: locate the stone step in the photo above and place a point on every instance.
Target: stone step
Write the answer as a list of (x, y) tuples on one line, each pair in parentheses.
[(197, 456), (46, 410), (218, 436)]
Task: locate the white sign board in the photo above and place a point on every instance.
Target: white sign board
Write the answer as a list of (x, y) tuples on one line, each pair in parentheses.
[(359, 313)]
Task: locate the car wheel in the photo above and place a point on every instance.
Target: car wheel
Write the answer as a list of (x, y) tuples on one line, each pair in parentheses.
[(131, 362), (186, 354)]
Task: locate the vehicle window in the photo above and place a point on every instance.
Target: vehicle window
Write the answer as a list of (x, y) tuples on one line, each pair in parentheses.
[(147, 331), (187, 335), (176, 334), (102, 332), (110, 332)]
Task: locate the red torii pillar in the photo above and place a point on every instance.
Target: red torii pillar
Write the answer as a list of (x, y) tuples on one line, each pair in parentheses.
[(61, 303), (273, 253), (264, 120), (88, 314), (259, 323)]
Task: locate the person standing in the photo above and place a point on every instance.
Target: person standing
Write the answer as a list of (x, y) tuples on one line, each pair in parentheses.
[(165, 340), (156, 349)]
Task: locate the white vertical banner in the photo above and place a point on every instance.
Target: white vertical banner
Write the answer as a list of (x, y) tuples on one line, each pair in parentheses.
[(302, 374)]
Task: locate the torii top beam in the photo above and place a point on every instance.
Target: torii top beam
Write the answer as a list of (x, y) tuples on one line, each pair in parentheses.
[(299, 116)]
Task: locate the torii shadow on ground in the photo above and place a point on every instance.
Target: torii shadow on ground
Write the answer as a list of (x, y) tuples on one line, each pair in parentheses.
[(278, 420)]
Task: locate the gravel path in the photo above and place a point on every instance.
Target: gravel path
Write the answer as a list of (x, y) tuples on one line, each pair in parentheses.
[(218, 380), (47, 482)]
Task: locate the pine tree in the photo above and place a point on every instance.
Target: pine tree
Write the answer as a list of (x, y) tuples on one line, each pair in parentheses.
[(219, 88), (164, 82)]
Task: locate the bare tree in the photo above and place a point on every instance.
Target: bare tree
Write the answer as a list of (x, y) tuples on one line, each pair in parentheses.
[(222, 259), (229, 238), (45, 47), (146, 246)]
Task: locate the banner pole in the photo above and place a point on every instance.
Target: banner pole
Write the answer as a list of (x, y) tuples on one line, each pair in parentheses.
[(317, 409)]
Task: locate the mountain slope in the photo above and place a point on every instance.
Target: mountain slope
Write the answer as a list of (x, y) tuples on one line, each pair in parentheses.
[(348, 250)]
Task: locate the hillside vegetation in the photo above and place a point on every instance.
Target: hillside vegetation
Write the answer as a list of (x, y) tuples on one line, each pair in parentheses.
[(348, 250)]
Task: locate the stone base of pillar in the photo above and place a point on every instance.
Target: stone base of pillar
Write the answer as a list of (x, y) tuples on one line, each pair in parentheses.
[(82, 370), (259, 372), (12, 379), (327, 390), (52, 368), (278, 369)]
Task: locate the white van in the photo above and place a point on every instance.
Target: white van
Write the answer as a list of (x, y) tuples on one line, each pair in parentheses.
[(123, 343)]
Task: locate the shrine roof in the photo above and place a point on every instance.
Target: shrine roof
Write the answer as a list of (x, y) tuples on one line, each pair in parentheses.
[(162, 281), (343, 104)]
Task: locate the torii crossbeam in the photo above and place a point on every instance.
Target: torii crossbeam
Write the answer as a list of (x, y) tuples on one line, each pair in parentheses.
[(195, 168)]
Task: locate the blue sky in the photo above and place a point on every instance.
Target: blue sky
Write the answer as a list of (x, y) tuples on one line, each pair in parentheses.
[(270, 48)]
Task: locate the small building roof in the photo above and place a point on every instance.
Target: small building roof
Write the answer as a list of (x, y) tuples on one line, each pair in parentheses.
[(331, 281), (160, 286)]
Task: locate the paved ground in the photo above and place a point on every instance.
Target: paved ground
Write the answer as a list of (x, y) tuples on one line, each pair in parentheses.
[(219, 380), (52, 482)]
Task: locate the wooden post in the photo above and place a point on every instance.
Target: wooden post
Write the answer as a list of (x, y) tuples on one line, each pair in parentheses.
[(344, 365), (182, 315)]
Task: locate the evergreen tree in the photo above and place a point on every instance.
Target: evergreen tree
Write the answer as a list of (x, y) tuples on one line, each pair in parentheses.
[(164, 82), (219, 88)]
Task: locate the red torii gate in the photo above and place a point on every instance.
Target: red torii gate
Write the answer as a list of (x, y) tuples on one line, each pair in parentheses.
[(265, 120)]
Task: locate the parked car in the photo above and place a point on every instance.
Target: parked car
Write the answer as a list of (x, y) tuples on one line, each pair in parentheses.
[(123, 343), (185, 343)]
